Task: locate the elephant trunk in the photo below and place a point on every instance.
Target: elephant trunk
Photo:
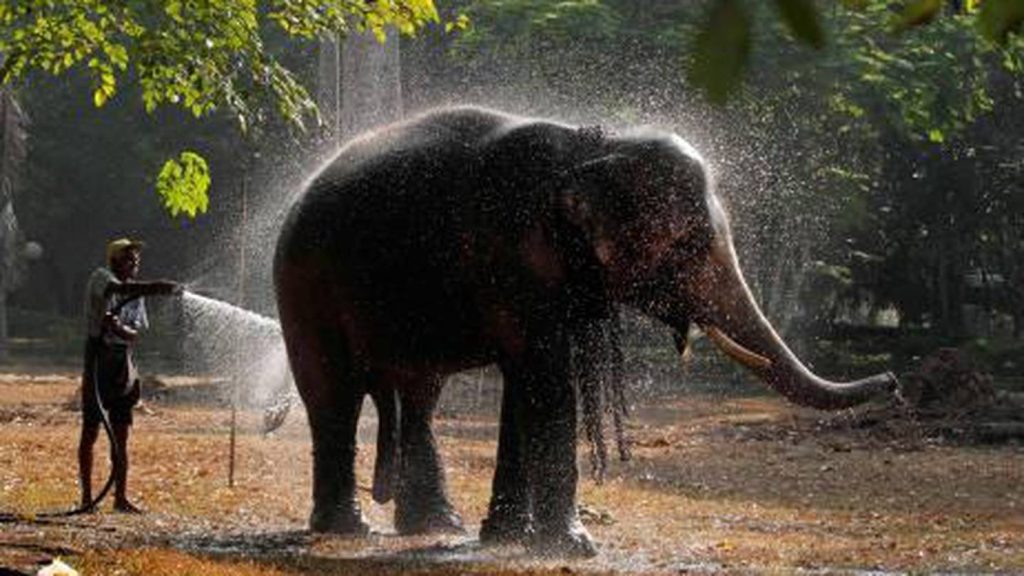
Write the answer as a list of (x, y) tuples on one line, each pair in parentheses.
[(728, 313)]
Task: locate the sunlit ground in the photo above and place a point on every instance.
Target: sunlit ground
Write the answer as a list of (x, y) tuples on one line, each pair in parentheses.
[(716, 485)]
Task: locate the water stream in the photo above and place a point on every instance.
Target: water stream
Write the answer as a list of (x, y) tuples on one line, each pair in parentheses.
[(224, 339)]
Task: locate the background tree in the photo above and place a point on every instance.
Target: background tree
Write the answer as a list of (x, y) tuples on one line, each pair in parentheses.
[(837, 152), (12, 157), (877, 169), (200, 55)]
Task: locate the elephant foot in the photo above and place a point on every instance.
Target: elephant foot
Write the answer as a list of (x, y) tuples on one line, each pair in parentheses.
[(341, 521), (444, 520), (572, 541), (506, 529)]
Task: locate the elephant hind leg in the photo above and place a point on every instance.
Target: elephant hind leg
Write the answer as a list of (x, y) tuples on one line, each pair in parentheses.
[(422, 505), (333, 395), (335, 506)]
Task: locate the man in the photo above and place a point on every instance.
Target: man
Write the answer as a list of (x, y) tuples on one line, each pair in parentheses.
[(115, 314)]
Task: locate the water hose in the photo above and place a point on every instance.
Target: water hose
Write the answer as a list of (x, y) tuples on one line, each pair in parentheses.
[(7, 517)]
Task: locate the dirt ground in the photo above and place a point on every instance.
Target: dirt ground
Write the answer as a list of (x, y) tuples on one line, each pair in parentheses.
[(735, 485)]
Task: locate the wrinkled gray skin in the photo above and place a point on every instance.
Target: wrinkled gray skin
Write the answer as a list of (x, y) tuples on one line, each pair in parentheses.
[(466, 236)]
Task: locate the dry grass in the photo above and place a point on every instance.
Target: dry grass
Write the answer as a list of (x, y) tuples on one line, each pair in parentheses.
[(163, 562), (706, 491)]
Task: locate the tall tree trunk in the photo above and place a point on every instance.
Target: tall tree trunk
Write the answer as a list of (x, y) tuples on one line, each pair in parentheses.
[(328, 95), (12, 157), (371, 85)]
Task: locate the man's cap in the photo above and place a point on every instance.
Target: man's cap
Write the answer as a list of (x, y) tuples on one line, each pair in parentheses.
[(116, 247)]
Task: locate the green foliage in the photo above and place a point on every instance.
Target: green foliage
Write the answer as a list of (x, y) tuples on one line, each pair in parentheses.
[(802, 19), (183, 185), (931, 81), (722, 50), (998, 18), (916, 13), (722, 46), (312, 18), (199, 55), (515, 23)]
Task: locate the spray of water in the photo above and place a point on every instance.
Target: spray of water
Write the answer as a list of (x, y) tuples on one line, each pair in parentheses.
[(222, 339)]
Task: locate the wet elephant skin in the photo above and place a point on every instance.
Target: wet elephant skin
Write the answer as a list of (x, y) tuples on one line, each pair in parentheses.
[(467, 236)]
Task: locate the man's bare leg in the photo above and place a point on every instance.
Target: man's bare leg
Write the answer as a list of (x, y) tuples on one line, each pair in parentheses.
[(90, 431), (120, 462)]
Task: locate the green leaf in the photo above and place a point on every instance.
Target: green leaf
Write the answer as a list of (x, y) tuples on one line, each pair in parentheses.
[(936, 136), (183, 185), (801, 16), (917, 12), (1000, 17), (721, 51), (173, 9)]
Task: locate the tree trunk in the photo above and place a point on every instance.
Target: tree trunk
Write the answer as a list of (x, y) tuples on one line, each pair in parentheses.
[(328, 96), (12, 156), (371, 85)]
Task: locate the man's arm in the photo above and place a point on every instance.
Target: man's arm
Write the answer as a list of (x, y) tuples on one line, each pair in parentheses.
[(132, 288)]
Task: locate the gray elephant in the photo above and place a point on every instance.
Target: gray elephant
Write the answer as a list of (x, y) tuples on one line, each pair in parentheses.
[(467, 236)]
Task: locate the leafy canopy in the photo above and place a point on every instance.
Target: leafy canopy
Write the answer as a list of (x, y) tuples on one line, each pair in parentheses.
[(721, 51), (207, 55), (181, 183), (200, 55), (721, 45)]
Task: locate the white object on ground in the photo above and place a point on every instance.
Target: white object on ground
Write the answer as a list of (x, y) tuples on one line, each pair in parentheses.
[(57, 568)]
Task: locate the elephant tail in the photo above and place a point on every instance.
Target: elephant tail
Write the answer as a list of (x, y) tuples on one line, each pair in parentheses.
[(385, 468)]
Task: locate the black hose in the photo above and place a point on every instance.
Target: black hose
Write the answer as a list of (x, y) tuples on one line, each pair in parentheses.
[(8, 517)]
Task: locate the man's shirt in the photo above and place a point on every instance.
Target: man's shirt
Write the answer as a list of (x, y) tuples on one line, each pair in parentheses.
[(132, 314)]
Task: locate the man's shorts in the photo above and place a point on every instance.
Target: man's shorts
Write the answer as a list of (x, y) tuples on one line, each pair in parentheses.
[(110, 366)]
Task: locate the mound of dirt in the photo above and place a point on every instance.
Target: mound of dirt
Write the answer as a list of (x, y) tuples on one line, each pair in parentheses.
[(946, 384), (946, 398)]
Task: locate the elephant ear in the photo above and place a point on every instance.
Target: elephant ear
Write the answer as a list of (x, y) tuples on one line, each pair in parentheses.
[(588, 197)]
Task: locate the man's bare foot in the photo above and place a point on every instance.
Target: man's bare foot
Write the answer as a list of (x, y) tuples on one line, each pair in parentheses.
[(126, 507)]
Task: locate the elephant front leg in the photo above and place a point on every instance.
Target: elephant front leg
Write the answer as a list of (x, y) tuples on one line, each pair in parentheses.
[(509, 516), (422, 505), (550, 455)]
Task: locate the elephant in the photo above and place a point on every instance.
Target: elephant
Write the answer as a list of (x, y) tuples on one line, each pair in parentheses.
[(466, 236)]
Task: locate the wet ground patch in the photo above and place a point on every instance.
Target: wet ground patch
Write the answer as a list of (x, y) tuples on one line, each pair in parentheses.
[(746, 484)]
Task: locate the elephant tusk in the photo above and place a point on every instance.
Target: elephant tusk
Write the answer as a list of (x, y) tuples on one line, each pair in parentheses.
[(742, 355), (687, 354), (682, 342)]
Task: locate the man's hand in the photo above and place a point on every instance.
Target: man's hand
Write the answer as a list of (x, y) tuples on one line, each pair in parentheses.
[(111, 322), (170, 288), (165, 288), (113, 325)]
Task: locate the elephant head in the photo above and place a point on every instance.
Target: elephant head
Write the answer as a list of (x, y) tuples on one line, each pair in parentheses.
[(663, 243)]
